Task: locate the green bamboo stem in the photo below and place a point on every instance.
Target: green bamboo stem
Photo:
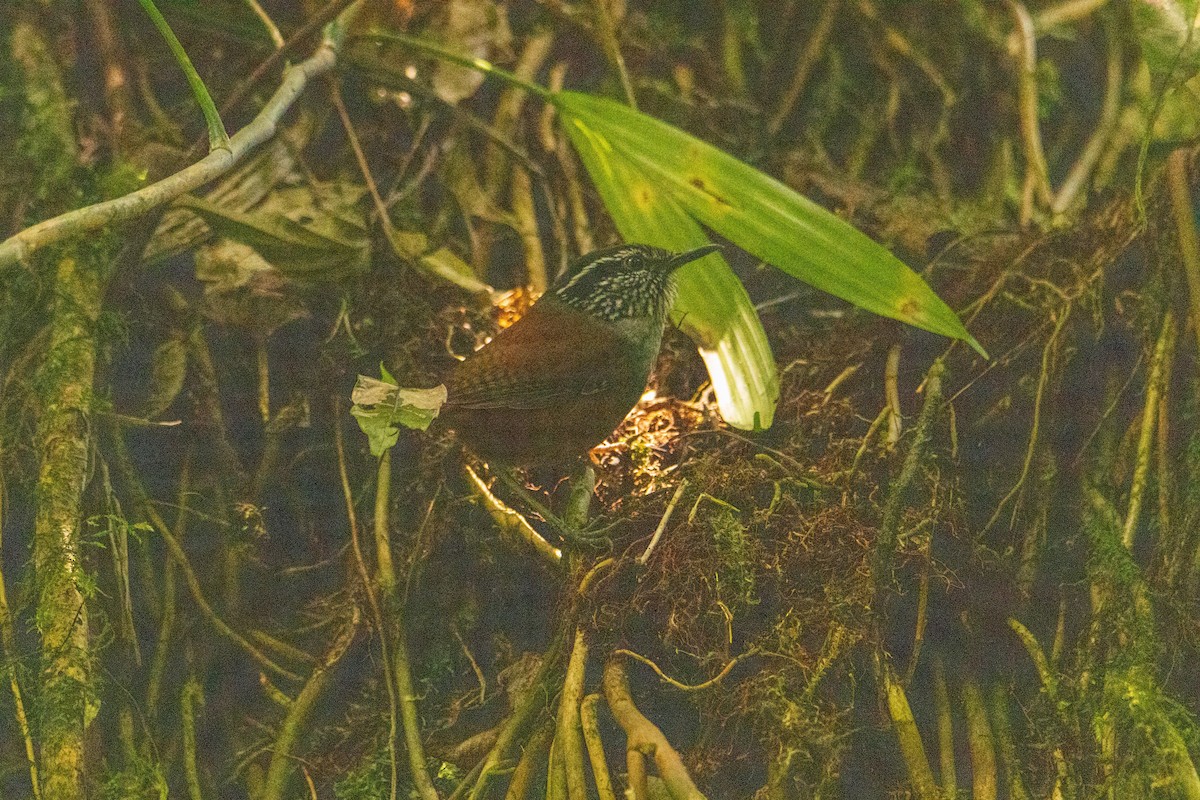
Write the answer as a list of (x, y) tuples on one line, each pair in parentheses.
[(406, 696), (568, 736), (190, 701), (979, 738), (908, 736)]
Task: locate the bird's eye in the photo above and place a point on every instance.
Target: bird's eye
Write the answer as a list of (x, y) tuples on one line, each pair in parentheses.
[(634, 261)]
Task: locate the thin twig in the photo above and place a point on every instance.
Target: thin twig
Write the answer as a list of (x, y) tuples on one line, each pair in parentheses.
[(8, 653), (607, 28), (267, 23), (1163, 351), (684, 687), (1034, 432), (662, 523), (813, 49), (313, 24), (474, 664)]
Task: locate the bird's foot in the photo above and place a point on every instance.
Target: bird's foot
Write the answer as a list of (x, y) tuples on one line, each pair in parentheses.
[(593, 536), (573, 526)]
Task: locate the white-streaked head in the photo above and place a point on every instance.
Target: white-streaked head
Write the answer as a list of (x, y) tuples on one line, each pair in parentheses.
[(625, 281)]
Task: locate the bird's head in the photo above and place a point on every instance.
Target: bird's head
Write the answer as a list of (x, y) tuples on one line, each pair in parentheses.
[(625, 281)]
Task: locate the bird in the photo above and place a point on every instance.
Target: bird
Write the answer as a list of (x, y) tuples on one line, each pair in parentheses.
[(559, 380)]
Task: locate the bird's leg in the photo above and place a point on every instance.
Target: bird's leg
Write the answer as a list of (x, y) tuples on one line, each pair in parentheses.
[(579, 501), (577, 528), (573, 526), (508, 476)]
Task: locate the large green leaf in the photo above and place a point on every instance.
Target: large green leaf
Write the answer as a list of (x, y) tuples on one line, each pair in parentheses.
[(713, 308), (755, 212)]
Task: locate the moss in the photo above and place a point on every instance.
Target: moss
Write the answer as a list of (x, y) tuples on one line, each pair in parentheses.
[(369, 780), (142, 779), (734, 570)]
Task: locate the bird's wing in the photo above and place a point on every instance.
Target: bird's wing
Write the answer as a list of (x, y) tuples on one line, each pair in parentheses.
[(526, 366)]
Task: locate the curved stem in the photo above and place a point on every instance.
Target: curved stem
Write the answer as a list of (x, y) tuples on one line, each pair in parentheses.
[(281, 752), (218, 138), (470, 62)]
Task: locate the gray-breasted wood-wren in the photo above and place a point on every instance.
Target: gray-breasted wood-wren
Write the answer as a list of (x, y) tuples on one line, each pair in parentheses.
[(560, 379)]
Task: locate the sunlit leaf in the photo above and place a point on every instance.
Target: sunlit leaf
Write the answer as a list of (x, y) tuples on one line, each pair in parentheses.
[(756, 212), (713, 307), (381, 407)]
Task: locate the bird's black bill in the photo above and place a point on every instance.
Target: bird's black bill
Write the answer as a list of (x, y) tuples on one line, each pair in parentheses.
[(691, 255)]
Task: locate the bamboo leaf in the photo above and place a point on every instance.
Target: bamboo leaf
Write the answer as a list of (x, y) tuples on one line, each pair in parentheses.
[(218, 139), (306, 251), (760, 214), (713, 307)]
